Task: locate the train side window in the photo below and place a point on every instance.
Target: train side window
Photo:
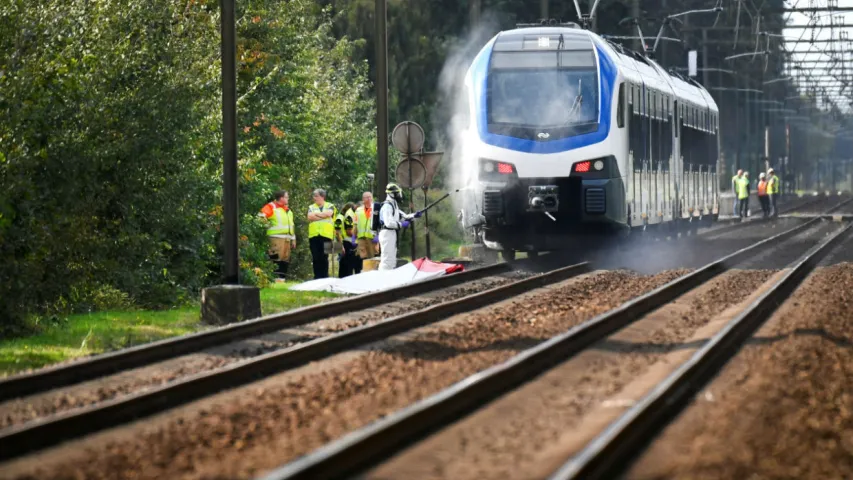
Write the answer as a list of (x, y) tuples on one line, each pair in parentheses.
[(620, 109)]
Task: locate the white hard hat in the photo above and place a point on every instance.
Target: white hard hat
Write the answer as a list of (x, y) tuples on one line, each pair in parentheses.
[(761, 175), (770, 170), (746, 174)]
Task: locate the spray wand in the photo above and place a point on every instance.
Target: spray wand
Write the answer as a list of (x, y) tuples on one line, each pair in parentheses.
[(420, 212)]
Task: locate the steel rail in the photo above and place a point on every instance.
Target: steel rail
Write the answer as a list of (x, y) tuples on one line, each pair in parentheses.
[(39, 434), (611, 452), (735, 224), (377, 441), (838, 206), (110, 363)]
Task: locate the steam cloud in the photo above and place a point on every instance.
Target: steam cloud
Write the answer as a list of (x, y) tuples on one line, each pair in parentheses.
[(453, 110)]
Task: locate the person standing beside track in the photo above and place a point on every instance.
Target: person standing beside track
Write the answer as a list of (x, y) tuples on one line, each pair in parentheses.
[(762, 195), (281, 232), (743, 195), (366, 238), (321, 232), (393, 220), (344, 226), (773, 191), (735, 202)]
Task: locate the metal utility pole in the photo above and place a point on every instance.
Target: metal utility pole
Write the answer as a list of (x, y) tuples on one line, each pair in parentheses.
[(705, 58), (635, 12), (543, 9), (230, 302), (230, 232), (381, 94)]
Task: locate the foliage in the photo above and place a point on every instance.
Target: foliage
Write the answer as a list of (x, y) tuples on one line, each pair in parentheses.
[(305, 121), (110, 143), (444, 229)]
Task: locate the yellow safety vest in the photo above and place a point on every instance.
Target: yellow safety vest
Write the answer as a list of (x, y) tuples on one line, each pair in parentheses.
[(773, 185), (325, 227), (364, 223), (742, 188), (281, 222), (345, 222)]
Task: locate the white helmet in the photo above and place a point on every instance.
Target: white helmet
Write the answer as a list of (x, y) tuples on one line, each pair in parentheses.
[(761, 175)]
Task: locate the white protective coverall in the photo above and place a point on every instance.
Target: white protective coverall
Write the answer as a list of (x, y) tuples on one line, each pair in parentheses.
[(392, 219)]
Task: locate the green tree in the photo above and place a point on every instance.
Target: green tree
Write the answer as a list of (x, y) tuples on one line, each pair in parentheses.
[(110, 143)]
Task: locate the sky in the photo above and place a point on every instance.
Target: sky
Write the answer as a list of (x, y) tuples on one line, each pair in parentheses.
[(812, 52)]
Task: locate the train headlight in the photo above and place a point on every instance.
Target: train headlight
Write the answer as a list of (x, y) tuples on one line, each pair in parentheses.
[(493, 170), (598, 165)]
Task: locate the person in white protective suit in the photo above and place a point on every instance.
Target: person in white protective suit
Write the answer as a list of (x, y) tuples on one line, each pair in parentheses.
[(393, 220)]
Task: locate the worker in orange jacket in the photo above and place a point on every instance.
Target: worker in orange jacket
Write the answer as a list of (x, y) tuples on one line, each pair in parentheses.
[(762, 194), (281, 231)]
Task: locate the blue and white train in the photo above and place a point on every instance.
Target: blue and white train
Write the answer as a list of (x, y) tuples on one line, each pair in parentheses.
[(570, 135)]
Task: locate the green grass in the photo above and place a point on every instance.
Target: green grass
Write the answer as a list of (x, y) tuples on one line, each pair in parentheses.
[(87, 334), (279, 299)]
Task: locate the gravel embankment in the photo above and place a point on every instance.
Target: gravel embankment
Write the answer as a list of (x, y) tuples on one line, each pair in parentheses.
[(782, 407), (26, 409), (241, 433), (530, 432)]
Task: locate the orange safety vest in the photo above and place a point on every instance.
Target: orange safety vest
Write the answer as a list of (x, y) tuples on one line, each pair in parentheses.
[(762, 188)]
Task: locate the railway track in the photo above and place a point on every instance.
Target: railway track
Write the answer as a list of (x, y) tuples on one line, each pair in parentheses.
[(30, 437), (52, 379), (365, 448), (617, 446), (819, 202), (110, 363), (45, 432)]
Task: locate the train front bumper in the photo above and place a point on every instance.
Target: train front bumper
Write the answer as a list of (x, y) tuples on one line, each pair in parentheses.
[(569, 204)]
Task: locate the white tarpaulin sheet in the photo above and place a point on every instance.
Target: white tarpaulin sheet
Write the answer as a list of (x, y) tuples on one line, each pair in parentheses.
[(377, 280)]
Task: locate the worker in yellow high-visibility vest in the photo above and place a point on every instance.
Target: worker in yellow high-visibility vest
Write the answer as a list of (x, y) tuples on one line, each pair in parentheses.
[(735, 203), (773, 191), (366, 239), (321, 232), (743, 195), (345, 231), (281, 231)]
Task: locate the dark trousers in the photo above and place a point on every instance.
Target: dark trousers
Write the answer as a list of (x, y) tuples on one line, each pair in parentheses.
[(348, 261), (319, 258), (281, 269), (743, 207), (774, 211), (357, 264), (765, 204)]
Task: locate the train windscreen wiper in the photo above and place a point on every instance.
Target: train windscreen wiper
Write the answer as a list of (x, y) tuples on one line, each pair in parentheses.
[(576, 105)]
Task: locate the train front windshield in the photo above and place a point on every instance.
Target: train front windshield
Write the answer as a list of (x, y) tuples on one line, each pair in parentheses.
[(543, 96)]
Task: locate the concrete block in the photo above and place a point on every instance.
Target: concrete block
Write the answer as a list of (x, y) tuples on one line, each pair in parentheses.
[(224, 304)]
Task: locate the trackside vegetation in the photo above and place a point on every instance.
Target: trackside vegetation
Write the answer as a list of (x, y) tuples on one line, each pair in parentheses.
[(66, 338), (110, 149)]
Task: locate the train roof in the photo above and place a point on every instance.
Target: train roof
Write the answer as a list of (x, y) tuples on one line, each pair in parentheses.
[(639, 69)]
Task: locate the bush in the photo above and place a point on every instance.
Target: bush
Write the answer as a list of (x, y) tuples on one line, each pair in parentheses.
[(110, 144), (445, 232)]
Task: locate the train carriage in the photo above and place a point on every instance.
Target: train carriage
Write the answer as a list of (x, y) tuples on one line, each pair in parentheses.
[(571, 136)]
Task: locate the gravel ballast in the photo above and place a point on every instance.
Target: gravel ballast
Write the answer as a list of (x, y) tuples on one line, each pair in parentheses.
[(783, 407), (22, 410), (241, 433), (530, 432)]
